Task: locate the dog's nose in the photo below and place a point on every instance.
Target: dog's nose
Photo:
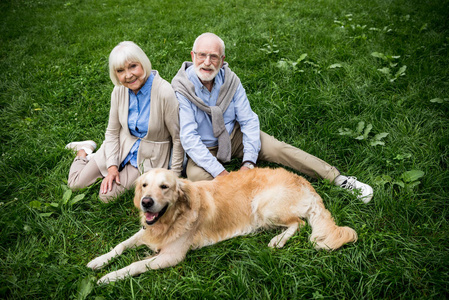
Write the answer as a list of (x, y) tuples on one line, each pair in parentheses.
[(147, 202)]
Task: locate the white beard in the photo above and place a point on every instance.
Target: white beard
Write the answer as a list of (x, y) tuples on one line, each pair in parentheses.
[(206, 77)]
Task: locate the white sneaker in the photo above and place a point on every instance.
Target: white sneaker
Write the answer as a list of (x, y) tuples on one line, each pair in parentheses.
[(364, 192), (88, 146)]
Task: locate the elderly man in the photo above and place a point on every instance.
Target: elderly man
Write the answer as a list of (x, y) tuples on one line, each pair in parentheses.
[(217, 123)]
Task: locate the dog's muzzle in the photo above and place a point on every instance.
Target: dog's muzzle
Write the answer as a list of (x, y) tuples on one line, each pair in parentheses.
[(150, 216)]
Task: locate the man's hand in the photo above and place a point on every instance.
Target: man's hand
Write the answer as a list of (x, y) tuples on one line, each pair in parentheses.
[(113, 175), (223, 173), (247, 165)]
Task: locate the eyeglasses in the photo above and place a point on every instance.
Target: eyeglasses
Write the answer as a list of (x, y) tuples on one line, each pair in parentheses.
[(201, 56)]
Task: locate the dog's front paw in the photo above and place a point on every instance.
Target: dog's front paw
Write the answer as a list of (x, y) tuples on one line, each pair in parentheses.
[(114, 276), (108, 278), (98, 262), (277, 242)]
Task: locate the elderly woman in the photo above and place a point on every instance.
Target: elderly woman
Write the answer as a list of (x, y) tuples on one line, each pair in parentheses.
[(142, 129)]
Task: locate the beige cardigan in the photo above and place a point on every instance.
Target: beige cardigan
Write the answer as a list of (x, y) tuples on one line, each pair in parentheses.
[(163, 131)]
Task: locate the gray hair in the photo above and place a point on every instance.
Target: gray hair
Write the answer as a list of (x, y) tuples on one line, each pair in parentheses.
[(126, 52), (210, 35)]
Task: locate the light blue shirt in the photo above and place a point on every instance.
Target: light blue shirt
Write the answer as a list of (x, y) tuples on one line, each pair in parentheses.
[(196, 131), (138, 117)]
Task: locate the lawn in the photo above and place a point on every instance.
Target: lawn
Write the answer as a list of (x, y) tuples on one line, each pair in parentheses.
[(364, 85)]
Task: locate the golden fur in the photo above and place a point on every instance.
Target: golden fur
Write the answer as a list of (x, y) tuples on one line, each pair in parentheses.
[(185, 214)]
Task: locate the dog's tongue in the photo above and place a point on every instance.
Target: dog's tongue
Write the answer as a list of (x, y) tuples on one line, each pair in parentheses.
[(150, 216)]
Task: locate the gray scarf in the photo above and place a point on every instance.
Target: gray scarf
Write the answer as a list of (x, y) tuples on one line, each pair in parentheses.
[(183, 85)]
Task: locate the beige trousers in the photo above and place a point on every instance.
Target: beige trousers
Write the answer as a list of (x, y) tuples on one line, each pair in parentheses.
[(271, 150), (84, 173)]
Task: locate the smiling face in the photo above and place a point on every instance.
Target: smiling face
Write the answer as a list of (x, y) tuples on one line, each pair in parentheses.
[(206, 69), (131, 75), (155, 192)]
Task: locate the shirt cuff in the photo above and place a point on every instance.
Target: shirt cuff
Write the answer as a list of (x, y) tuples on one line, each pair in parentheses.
[(216, 170), (252, 157)]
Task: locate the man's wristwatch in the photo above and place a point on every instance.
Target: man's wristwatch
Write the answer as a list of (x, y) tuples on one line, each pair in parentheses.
[(248, 164)]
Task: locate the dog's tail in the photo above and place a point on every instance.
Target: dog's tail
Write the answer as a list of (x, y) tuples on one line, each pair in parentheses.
[(325, 233)]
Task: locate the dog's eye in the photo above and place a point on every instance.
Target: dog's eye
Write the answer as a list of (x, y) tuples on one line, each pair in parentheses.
[(144, 185), (164, 187)]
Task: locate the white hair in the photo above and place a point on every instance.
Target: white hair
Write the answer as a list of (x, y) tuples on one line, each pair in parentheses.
[(210, 35), (127, 52)]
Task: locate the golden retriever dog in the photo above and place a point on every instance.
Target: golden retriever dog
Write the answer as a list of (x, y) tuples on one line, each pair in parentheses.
[(178, 215)]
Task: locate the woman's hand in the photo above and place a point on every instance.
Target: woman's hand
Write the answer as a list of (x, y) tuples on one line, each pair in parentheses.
[(106, 184)]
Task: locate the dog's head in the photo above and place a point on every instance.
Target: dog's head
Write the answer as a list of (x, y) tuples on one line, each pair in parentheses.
[(156, 192)]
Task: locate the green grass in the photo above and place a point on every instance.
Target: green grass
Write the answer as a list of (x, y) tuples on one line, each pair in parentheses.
[(54, 88)]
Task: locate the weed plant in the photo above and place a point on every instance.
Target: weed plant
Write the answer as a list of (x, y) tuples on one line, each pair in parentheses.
[(361, 84)]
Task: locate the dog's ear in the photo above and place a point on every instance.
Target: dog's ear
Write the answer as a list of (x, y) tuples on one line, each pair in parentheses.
[(183, 191), (138, 191)]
